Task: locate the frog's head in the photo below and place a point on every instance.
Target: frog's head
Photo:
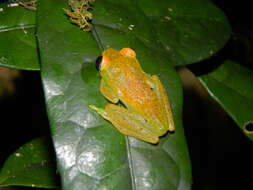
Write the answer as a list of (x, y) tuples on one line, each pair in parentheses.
[(110, 55)]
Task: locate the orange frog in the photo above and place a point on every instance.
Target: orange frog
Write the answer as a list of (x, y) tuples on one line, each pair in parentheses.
[(147, 114)]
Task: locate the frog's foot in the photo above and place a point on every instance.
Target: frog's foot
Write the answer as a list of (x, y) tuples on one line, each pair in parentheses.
[(101, 111)]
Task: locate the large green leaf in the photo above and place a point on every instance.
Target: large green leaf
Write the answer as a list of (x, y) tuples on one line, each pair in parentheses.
[(180, 31), (91, 153), (18, 47), (31, 165), (231, 86)]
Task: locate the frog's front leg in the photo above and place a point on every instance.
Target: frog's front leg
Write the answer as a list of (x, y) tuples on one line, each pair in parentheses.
[(163, 98), (127, 122), (108, 92)]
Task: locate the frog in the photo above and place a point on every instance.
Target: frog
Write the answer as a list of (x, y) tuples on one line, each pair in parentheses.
[(139, 105)]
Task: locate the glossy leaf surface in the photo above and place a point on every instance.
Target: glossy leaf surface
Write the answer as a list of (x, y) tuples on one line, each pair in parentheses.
[(181, 31), (231, 86), (91, 153), (18, 47), (31, 165)]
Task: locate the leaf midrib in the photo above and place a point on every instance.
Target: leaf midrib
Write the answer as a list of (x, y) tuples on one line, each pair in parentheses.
[(19, 27)]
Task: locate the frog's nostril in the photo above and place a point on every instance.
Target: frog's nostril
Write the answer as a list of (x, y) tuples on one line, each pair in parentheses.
[(98, 63)]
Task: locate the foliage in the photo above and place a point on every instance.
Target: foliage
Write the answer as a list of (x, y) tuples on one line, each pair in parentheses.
[(231, 86), (90, 153), (28, 4), (27, 163), (80, 14)]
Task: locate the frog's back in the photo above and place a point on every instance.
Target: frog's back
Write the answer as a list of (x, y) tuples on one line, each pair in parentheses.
[(133, 90)]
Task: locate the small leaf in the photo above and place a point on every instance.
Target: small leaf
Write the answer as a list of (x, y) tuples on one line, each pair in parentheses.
[(31, 165), (231, 86), (18, 47)]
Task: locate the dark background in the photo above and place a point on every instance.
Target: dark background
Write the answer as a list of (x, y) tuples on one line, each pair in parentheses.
[(221, 155)]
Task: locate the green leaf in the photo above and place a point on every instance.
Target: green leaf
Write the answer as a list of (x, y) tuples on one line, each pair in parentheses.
[(91, 153), (18, 47), (180, 31), (31, 165), (231, 86)]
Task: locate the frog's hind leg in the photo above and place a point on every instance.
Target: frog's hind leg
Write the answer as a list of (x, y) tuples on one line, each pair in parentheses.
[(129, 123), (163, 98)]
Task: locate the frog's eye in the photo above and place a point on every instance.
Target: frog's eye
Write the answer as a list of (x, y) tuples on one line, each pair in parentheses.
[(128, 52), (98, 63), (102, 62)]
